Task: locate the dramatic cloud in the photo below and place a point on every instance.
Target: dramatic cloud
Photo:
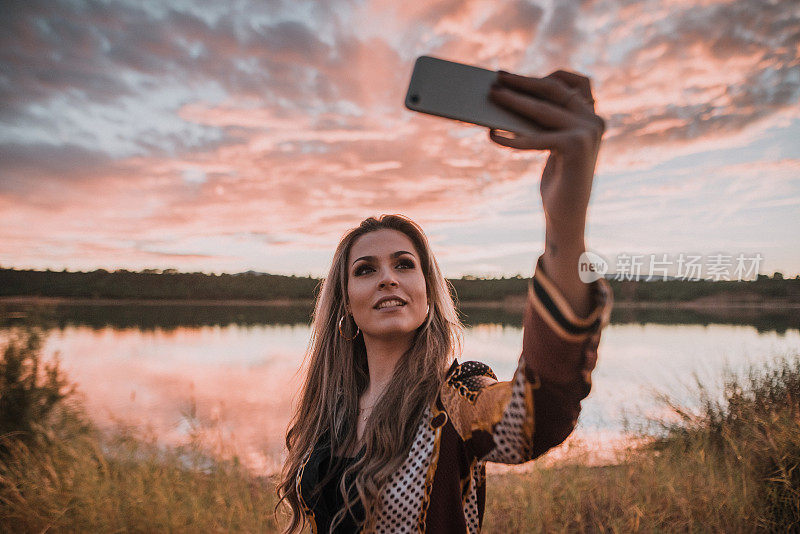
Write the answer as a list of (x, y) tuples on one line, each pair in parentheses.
[(232, 138), (689, 73)]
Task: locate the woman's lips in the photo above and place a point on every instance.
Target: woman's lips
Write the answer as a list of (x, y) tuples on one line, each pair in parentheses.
[(390, 304)]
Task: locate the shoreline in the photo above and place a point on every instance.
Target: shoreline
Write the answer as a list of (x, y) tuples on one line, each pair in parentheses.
[(513, 303), (57, 301)]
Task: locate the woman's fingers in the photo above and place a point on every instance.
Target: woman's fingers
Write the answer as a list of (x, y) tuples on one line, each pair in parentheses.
[(538, 87), (560, 103), (541, 141), (583, 86), (543, 113), (575, 81), (579, 85), (567, 90)]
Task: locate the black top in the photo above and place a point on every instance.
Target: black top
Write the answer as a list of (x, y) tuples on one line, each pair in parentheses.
[(329, 501)]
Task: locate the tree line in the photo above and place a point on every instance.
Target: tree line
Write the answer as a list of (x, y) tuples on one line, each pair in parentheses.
[(251, 286)]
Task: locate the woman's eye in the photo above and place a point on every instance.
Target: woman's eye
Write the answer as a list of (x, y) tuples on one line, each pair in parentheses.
[(362, 269), (366, 268)]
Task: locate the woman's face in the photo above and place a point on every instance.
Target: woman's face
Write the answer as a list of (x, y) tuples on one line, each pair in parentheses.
[(386, 289)]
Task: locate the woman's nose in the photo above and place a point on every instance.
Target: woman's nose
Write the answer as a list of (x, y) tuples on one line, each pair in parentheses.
[(387, 280)]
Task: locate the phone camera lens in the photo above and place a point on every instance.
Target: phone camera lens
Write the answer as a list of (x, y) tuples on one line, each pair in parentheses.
[(414, 99)]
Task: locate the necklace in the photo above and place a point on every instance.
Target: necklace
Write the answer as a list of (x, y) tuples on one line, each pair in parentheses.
[(367, 411)]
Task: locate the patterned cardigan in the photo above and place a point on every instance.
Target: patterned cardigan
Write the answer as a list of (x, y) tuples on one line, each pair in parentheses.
[(440, 488)]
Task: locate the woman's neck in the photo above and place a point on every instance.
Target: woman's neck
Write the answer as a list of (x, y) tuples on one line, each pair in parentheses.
[(382, 357)]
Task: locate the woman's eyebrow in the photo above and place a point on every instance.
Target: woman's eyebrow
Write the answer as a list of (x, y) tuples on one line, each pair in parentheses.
[(394, 255)]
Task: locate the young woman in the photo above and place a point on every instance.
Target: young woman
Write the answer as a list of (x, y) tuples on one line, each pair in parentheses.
[(391, 433)]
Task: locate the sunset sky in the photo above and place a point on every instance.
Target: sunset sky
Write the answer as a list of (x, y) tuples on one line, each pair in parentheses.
[(249, 135)]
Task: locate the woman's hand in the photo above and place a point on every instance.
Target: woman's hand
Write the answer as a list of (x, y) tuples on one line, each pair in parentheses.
[(561, 104)]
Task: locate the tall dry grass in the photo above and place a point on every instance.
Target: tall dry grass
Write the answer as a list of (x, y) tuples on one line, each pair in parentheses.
[(59, 473), (128, 485), (731, 466)]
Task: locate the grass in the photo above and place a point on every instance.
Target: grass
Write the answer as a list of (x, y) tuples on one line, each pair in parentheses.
[(731, 466), (59, 473), (128, 485), (644, 493)]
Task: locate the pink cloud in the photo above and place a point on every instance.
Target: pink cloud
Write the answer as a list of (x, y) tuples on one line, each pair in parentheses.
[(310, 135)]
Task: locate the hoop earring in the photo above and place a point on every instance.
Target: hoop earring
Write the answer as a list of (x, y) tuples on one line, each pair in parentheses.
[(341, 332)]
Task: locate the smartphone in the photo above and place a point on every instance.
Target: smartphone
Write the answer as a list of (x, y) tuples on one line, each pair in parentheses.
[(461, 92)]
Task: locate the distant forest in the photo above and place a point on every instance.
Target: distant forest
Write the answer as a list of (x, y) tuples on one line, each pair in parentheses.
[(172, 285)]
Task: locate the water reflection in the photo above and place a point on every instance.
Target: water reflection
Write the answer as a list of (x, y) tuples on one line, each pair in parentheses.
[(156, 316), (233, 371), (235, 382)]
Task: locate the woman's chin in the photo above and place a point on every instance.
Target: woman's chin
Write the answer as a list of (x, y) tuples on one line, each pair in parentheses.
[(390, 332)]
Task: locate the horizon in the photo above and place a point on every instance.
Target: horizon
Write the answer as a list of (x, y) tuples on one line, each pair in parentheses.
[(517, 276), (224, 139)]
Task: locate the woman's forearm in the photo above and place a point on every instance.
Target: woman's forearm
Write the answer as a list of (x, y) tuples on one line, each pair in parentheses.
[(560, 262)]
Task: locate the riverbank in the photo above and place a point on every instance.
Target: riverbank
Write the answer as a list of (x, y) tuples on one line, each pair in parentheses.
[(516, 303), (25, 300)]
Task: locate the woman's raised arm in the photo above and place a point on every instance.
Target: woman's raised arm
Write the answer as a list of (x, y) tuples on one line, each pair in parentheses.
[(516, 421), (562, 105)]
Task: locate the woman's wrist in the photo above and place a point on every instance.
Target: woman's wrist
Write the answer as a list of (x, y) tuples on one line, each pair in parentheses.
[(560, 263)]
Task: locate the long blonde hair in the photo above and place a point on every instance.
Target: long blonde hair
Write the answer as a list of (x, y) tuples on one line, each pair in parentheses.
[(338, 376)]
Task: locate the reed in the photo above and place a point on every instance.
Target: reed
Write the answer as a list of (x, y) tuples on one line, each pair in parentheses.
[(59, 473), (86, 484), (732, 465)]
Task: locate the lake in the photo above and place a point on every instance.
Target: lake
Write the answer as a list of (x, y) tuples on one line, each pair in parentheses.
[(231, 373)]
